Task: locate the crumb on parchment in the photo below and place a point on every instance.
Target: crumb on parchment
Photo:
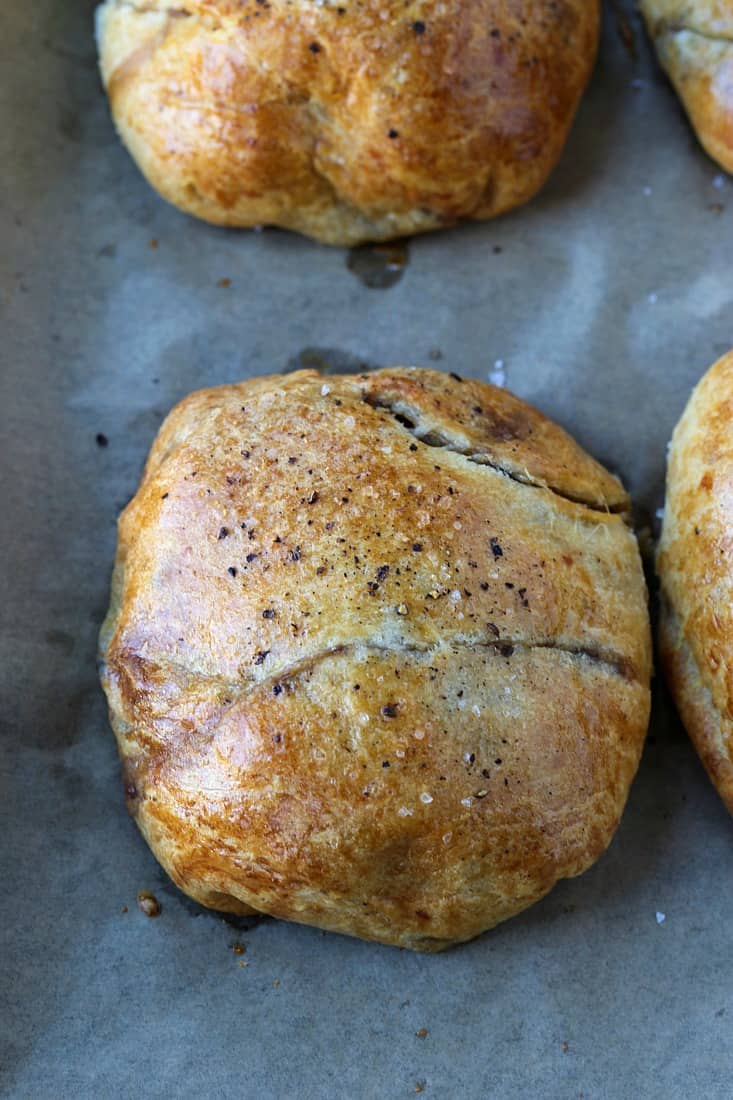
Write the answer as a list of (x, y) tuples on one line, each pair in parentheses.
[(148, 904)]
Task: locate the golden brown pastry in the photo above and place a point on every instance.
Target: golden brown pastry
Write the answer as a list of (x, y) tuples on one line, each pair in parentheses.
[(695, 565), (378, 653), (694, 40), (347, 120)]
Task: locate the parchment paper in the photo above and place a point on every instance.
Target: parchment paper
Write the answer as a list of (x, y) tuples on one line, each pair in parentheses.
[(602, 302)]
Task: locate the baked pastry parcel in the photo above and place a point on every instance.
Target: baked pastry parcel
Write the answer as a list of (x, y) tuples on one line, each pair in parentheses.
[(695, 565), (694, 41), (347, 120), (377, 655)]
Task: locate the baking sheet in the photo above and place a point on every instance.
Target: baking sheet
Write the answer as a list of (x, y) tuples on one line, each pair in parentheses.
[(602, 302)]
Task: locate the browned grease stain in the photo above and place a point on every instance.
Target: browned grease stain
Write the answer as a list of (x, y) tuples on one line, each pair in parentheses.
[(329, 361), (625, 30), (60, 640), (379, 266)]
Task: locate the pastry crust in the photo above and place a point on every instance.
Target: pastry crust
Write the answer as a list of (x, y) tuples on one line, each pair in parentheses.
[(346, 121), (694, 41), (695, 565), (377, 655)]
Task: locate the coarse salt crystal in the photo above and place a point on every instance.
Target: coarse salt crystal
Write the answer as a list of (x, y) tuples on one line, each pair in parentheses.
[(325, 390), (426, 798), (465, 802), (476, 710), (661, 918), (455, 595), (419, 735), (497, 374), (404, 812)]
